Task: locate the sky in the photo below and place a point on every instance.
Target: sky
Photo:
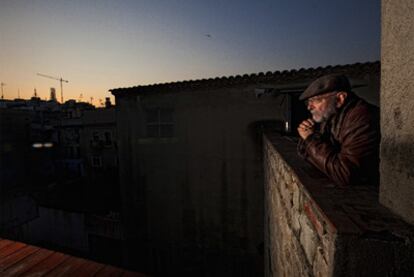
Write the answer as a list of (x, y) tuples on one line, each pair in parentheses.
[(101, 45)]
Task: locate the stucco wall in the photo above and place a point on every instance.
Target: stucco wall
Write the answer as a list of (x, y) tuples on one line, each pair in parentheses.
[(196, 198), (397, 107)]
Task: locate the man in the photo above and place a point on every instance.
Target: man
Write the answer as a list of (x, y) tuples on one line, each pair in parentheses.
[(342, 137)]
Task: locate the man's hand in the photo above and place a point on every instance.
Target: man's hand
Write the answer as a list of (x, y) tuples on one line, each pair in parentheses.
[(306, 128)]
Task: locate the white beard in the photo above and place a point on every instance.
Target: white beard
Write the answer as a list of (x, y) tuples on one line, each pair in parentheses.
[(323, 117)]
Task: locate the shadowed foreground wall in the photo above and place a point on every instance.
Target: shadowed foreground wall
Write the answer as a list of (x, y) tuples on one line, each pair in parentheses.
[(313, 228), (397, 107)]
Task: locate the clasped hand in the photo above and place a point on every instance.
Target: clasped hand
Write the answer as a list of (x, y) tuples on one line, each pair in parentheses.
[(306, 128)]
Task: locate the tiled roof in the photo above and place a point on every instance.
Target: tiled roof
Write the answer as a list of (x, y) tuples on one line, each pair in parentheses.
[(356, 69), (19, 259)]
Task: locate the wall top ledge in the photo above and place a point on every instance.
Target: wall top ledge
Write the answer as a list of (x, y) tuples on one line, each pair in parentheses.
[(351, 210)]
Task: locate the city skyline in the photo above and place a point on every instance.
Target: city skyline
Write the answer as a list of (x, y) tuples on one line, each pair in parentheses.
[(98, 46)]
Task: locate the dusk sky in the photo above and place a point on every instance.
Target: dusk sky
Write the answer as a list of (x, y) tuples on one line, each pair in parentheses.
[(101, 45)]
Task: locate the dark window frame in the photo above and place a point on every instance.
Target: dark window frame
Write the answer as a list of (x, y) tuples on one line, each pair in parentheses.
[(108, 137), (160, 123), (96, 161)]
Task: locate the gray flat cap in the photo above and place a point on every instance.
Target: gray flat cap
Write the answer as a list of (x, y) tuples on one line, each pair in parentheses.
[(325, 84)]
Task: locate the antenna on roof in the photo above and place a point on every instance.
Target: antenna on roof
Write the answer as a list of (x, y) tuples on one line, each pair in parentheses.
[(2, 85)]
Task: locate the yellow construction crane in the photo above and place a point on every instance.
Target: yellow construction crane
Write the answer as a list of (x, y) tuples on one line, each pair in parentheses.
[(60, 80)]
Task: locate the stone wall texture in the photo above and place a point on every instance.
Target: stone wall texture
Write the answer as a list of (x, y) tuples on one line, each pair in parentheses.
[(313, 228), (301, 241), (397, 107)]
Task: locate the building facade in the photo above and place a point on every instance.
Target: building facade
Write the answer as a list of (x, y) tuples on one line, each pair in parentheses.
[(190, 164), (59, 177)]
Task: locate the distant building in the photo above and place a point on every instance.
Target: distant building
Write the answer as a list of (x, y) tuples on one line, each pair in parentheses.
[(191, 171), (28, 141), (15, 148), (58, 165), (16, 163), (53, 94), (87, 143), (99, 145), (89, 190)]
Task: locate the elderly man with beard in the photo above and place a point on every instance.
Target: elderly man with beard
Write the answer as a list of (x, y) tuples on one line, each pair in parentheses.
[(342, 137)]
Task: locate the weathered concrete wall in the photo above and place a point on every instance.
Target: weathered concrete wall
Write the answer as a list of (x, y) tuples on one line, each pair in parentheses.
[(313, 228), (197, 197), (397, 107)]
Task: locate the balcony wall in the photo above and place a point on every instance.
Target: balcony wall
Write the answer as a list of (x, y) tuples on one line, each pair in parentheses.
[(397, 107), (313, 228)]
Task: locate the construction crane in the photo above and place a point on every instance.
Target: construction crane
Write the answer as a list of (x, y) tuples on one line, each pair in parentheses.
[(60, 80), (2, 85)]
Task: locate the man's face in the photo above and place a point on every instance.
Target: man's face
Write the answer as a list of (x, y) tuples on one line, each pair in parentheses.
[(322, 106)]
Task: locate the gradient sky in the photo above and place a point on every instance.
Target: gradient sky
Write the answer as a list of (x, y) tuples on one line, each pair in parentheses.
[(100, 45)]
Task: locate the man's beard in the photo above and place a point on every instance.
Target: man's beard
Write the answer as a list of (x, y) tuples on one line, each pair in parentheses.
[(319, 117)]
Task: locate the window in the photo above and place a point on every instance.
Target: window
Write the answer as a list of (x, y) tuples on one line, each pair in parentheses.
[(76, 152), (95, 141), (77, 136), (160, 123), (96, 161), (108, 138), (69, 152), (95, 136)]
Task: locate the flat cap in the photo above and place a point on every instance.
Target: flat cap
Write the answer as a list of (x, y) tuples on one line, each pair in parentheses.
[(325, 84)]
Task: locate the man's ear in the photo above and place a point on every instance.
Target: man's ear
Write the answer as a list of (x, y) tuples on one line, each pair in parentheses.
[(340, 98)]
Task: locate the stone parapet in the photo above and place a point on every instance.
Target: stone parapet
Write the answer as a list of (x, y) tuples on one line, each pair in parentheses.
[(314, 228)]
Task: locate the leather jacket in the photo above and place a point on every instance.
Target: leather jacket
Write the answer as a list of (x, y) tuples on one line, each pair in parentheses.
[(346, 148)]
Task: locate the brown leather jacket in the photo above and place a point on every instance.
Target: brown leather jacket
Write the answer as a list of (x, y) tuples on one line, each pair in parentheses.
[(346, 148)]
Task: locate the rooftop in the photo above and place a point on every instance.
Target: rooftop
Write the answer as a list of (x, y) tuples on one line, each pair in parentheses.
[(355, 69), (17, 259)]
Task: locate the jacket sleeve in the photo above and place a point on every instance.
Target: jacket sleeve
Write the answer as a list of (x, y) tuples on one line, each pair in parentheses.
[(344, 164)]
